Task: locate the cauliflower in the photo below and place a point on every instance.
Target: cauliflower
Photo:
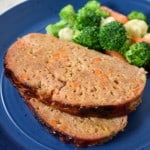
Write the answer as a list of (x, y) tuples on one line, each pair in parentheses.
[(107, 20), (66, 34), (136, 28)]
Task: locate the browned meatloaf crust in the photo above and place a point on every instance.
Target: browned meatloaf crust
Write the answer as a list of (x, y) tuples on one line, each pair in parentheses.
[(73, 129), (73, 78)]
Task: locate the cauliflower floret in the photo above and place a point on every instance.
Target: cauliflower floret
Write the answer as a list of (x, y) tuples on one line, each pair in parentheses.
[(136, 28), (107, 20), (147, 36), (66, 34)]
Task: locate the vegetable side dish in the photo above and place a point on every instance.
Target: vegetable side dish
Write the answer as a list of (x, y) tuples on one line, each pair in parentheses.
[(101, 28)]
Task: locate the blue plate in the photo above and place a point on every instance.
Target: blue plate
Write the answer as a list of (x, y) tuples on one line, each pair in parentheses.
[(18, 127)]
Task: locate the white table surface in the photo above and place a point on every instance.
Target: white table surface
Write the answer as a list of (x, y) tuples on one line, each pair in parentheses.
[(7, 4)]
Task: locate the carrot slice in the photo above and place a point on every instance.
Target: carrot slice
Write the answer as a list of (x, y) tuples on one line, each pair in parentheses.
[(139, 39), (75, 84), (24, 76), (115, 54), (53, 122), (95, 60), (106, 8), (97, 72), (56, 55), (118, 16)]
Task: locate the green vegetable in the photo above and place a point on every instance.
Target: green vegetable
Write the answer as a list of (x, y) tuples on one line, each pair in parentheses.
[(54, 28), (125, 47), (104, 13), (138, 54), (88, 37), (68, 15), (92, 5), (137, 15), (112, 36), (88, 15)]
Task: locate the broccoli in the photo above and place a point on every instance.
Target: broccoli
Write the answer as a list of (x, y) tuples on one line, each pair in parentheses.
[(67, 19), (104, 13), (137, 15), (138, 54), (54, 28), (88, 15), (125, 46), (88, 37), (68, 15), (112, 36)]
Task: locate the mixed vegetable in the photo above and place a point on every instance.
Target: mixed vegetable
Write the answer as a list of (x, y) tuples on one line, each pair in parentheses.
[(100, 28)]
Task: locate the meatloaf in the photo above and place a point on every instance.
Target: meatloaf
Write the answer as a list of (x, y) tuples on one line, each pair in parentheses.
[(76, 130), (73, 78)]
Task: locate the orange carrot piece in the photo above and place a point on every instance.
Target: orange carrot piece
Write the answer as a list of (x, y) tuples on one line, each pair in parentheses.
[(56, 55), (115, 54), (75, 84), (118, 16), (97, 72), (24, 76), (139, 39), (106, 8), (53, 122), (95, 60)]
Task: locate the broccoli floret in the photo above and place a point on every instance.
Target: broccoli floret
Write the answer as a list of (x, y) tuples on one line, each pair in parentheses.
[(92, 5), (67, 19), (138, 54), (125, 47), (68, 15), (104, 13), (88, 15), (88, 37), (137, 15), (54, 28), (112, 36), (89, 19)]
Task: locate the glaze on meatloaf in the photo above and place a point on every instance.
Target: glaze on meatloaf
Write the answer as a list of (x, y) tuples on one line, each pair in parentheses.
[(73, 78), (76, 130)]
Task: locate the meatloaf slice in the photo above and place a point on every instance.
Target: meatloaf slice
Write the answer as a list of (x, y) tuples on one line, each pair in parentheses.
[(73, 78), (73, 129)]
